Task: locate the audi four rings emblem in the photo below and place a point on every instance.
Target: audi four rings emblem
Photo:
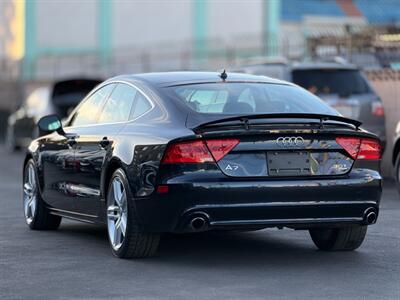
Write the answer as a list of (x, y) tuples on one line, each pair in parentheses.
[(290, 141)]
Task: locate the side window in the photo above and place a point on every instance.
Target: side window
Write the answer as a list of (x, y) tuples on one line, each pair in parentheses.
[(87, 114), (119, 104), (141, 105)]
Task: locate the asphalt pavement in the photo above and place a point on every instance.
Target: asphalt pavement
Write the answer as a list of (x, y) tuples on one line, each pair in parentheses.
[(75, 261)]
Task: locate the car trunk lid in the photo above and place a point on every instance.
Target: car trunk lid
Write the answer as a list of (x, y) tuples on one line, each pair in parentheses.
[(285, 155), (282, 145)]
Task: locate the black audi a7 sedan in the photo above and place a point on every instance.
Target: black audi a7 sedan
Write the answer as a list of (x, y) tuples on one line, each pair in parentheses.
[(182, 152)]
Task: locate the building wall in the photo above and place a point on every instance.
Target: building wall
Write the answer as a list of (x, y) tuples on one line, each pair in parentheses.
[(241, 18), (66, 24), (105, 31), (106, 37), (145, 23), (120, 29), (73, 24)]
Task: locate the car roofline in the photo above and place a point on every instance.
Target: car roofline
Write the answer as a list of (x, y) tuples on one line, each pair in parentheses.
[(191, 79), (192, 82)]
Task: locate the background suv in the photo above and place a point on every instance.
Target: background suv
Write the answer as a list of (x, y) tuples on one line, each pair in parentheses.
[(340, 84)]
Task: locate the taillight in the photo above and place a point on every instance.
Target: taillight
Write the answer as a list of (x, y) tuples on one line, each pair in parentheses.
[(198, 151), (187, 152), (369, 149), (220, 148), (377, 109), (162, 189), (351, 145), (358, 148)]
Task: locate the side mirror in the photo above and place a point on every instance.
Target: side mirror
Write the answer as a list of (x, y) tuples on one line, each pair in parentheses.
[(49, 124)]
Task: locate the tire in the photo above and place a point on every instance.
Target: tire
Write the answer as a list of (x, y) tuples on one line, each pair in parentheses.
[(122, 217), (339, 239), (37, 215)]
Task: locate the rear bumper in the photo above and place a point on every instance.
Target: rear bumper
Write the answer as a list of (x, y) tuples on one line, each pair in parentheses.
[(225, 203)]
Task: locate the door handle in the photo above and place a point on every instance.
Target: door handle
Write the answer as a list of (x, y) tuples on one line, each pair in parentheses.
[(104, 142), (71, 142), (71, 139)]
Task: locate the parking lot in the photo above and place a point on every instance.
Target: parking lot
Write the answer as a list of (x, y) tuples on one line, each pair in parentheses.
[(75, 261)]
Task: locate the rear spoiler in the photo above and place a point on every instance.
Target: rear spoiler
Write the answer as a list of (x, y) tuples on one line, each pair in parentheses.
[(245, 119)]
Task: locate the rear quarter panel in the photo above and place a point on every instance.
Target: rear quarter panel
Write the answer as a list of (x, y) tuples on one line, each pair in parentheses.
[(139, 150), (140, 145)]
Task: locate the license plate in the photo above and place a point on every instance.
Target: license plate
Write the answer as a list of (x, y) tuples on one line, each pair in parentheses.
[(288, 163)]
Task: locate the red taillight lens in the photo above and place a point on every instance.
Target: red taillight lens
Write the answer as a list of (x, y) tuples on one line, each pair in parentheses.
[(369, 149), (162, 189), (377, 109), (357, 148), (198, 151), (351, 145), (187, 152), (220, 148)]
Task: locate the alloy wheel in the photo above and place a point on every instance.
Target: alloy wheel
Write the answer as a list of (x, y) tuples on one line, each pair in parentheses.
[(30, 194), (117, 213)]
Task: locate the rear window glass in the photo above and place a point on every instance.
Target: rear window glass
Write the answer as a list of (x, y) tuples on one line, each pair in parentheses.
[(248, 98), (331, 81)]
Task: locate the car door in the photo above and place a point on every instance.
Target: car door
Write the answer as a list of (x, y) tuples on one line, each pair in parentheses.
[(57, 163), (95, 142), (58, 154)]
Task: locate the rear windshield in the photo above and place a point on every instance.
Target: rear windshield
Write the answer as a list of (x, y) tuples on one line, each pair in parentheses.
[(248, 98), (331, 81)]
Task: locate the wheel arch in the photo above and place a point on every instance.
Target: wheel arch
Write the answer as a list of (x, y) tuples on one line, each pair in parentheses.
[(114, 164), (28, 156)]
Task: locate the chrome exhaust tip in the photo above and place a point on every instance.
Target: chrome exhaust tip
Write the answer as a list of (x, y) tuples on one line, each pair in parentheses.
[(371, 217), (198, 223)]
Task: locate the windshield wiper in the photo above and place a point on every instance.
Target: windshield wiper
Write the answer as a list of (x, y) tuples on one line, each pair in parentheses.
[(244, 119)]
